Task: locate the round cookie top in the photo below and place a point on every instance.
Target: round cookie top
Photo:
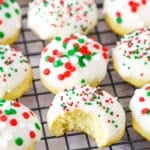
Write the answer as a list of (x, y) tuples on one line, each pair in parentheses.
[(73, 60), (131, 56), (130, 14), (19, 126), (90, 100), (10, 19), (48, 18), (14, 69), (140, 107)]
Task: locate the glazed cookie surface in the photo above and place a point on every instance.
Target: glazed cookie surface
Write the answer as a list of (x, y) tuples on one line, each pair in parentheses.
[(131, 57), (10, 21), (89, 110), (15, 73), (52, 18), (140, 109), (126, 15), (19, 126), (72, 60)]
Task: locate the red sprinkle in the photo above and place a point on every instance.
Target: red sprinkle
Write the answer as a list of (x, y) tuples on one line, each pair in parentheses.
[(105, 56), (144, 111), (141, 99), (46, 71), (3, 118), (13, 122), (96, 46), (67, 74), (16, 104), (61, 77), (147, 88), (105, 48), (1, 22), (51, 59), (26, 115), (44, 49), (32, 134)]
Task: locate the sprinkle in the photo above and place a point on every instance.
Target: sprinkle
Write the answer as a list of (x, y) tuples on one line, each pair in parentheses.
[(32, 134), (25, 115), (19, 141)]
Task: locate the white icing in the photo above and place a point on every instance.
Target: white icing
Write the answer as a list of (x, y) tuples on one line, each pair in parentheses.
[(107, 102), (9, 26), (93, 71), (12, 71), (136, 106), (9, 133), (124, 59), (51, 18), (130, 20)]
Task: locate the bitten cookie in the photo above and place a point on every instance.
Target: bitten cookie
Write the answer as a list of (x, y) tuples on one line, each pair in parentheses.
[(72, 60), (10, 21), (140, 109), (131, 57), (52, 18), (124, 16), (15, 73), (88, 110), (19, 127)]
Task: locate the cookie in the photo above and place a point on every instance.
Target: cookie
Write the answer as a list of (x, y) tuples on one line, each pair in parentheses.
[(72, 60), (19, 126), (15, 73), (89, 110), (52, 18), (131, 57), (140, 110), (126, 16), (10, 21)]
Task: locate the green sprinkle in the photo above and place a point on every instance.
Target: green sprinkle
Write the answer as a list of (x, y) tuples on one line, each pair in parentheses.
[(2, 100), (88, 103), (1, 69), (113, 121), (7, 15), (87, 57), (17, 11), (107, 110), (81, 40), (64, 45), (148, 93), (116, 126), (71, 52), (10, 111), (12, 1), (119, 20), (83, 81), (19, 141), (1, 35), (57, 38), (58, 63), (37, 126), (80, 62), (6, 5)]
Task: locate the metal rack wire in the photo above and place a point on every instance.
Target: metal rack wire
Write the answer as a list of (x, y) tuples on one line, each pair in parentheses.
[(38, 98)]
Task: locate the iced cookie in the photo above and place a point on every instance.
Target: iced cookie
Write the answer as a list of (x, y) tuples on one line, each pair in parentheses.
[(52, 18), (131, 57), (124, 16), (72, 60), (19, 126), (140, 109), (15, 73), (10, 21), (88, 110)]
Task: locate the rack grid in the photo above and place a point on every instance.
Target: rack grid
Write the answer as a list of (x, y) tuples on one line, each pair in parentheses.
[(38, 98)]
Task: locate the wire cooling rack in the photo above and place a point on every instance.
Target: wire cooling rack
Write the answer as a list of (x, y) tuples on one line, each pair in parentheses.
[(38, 98)]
